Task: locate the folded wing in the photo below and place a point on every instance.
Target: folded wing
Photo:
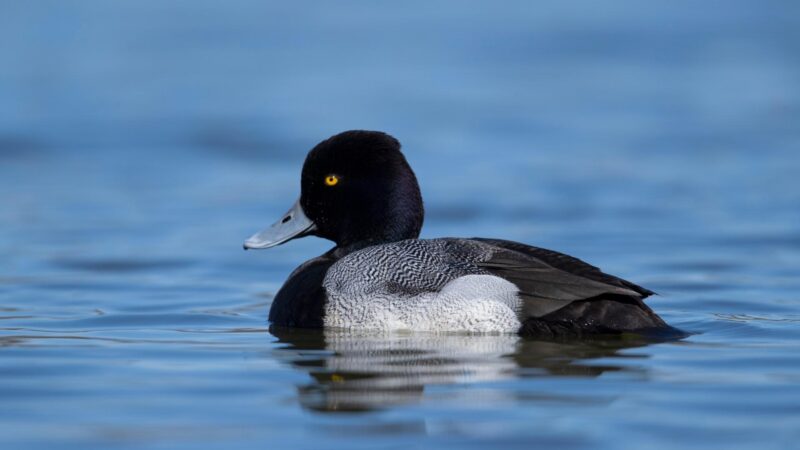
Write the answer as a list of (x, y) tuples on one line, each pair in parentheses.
[(549, 280)]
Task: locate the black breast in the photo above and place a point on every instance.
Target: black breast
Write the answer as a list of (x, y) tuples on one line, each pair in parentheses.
[(301, 300)]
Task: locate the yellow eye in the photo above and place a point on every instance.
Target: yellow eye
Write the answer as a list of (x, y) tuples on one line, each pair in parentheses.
[(331, 180)]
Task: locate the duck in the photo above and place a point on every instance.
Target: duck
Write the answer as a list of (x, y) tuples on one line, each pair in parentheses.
[(358, 190)]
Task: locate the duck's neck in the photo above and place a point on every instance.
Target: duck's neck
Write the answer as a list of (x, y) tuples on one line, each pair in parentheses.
[(399, 218)]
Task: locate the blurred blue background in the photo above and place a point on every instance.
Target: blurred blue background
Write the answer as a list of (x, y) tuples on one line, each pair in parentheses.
[(142, 141)]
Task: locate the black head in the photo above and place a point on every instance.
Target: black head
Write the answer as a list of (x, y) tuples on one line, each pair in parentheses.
[(357, 189)]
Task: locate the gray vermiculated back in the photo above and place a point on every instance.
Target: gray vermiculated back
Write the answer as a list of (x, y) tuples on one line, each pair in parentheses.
[(409, 268), (420, 285)]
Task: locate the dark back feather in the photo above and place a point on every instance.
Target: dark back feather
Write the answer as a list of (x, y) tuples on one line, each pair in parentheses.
[(568, 264)]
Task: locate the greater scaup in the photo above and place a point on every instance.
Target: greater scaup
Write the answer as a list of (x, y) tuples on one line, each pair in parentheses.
[(358, 191)]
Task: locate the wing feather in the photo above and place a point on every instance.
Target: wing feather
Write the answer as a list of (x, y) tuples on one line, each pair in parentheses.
[(549, 281)]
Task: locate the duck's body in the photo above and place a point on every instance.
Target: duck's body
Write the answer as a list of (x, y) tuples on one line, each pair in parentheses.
[(472, 285), (381, 276)]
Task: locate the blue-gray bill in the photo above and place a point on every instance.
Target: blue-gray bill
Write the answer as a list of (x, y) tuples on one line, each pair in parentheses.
[(292, 225)]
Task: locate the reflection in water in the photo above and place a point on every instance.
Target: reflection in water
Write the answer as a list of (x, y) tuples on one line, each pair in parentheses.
[(363, 370)]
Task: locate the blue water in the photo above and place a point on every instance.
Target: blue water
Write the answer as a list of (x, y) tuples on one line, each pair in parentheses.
[(141, 142)]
